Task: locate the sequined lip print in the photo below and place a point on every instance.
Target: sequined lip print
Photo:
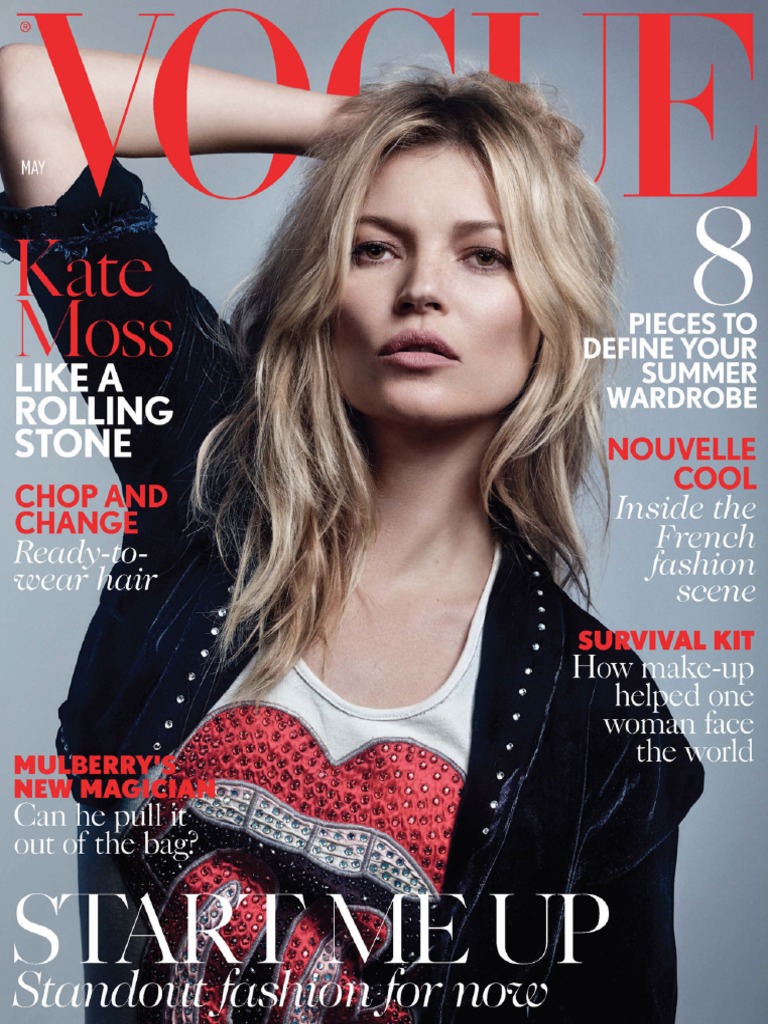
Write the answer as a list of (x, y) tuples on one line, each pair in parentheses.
[(288, 820)]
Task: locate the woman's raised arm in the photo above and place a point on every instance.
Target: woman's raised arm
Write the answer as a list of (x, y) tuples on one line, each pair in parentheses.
[(227, 113)]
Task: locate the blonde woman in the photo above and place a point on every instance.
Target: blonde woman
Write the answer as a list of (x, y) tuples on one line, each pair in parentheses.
[(362, 638)]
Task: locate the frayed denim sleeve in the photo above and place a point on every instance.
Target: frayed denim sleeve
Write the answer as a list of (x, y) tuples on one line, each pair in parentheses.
[(104, 226), (80, 220)]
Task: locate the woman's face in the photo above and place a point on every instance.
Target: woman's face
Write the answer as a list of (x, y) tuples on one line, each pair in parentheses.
[(432, 329)]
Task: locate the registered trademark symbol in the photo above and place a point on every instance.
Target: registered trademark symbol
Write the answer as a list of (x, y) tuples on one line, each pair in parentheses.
[(25, 26)]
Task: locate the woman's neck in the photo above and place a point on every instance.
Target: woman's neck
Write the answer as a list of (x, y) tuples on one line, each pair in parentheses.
[(404, 626), (431, 514)]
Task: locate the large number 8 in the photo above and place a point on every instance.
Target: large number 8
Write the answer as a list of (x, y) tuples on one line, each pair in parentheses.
[(724, 252)]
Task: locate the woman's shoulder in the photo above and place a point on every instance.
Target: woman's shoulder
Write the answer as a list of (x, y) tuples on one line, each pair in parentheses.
[(602, 674), (571, 695), (602, 659), (587, 635), (641, 776), (630, 722), (579, 633)]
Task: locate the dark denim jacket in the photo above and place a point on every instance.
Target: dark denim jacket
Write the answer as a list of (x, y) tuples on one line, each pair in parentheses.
[(553, 803)]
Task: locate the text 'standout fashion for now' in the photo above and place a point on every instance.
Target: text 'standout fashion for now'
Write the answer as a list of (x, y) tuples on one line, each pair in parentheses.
[(548, 802)]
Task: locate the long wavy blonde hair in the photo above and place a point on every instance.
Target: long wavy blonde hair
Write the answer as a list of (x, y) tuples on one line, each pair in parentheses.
[(285, 481)]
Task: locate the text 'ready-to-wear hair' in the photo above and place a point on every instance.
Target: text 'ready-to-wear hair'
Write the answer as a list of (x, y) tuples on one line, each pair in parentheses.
[(286, 480)]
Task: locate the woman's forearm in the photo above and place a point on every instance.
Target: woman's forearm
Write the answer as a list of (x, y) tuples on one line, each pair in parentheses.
[(226, 113)]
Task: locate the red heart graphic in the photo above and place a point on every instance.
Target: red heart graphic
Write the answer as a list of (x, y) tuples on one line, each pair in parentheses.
[(395, 786), (274, 781)]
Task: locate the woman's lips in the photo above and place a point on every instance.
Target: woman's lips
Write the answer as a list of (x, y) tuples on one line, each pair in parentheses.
[(418, 350)]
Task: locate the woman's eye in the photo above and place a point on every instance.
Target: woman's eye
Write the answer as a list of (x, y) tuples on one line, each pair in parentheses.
[(489, 259), (371, 252)]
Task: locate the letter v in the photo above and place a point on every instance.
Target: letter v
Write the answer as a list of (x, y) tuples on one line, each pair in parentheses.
[(75, 85)]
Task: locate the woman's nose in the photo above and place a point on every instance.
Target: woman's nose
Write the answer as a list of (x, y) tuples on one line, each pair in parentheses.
[(422, 288)]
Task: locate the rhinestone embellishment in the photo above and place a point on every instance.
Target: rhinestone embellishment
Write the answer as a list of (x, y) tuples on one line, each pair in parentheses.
[(386, 812)]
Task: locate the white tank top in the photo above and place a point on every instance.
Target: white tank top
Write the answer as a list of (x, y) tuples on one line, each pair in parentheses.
[(443, 721)]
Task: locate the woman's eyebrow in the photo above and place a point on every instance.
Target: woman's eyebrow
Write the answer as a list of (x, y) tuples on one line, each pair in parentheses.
[(467, 227), (459, 229), (385, 223)]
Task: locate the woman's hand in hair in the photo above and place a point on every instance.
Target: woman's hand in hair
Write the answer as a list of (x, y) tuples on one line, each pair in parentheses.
[(227, 114)]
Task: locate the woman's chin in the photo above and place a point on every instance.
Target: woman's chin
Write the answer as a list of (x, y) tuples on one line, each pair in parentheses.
[(429, 420)]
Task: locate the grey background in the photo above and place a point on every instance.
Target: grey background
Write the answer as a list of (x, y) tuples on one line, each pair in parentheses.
[(721, 877)]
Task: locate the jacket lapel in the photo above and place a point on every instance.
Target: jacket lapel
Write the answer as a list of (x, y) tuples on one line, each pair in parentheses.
[(520, 661)]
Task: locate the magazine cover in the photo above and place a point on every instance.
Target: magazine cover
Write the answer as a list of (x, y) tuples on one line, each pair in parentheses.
[(381, 476)]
